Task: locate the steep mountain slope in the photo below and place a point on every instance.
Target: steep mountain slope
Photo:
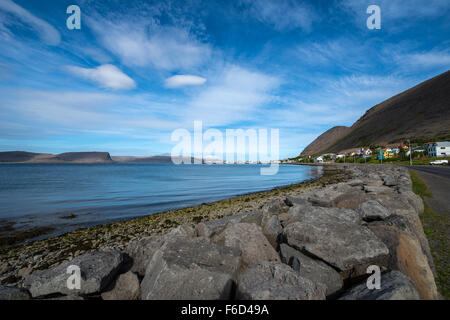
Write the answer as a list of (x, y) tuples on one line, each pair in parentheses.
[(418, 113), (326, 139)]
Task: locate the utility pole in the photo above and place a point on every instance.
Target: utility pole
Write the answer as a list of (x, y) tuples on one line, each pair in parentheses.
[(410, 153)]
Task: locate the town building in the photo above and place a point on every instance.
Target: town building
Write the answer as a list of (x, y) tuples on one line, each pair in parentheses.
[(439, 149)]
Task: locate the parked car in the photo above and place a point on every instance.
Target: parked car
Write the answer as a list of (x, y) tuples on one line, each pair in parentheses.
[(437, 162)]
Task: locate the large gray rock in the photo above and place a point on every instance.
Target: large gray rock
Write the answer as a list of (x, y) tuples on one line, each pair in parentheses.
[(413, 199), (394, 286), (406, 255), (211, 228), (312, 269), (13, 293), (274, 207), (336, 239), (325, 197), (276, 281), (351, 200), (183, 230), (378, 189), (271, 229), (355, 182), (249, 238), (373, 210), (297, 213), (296, 200), (98, 269), (191, 268), (126, 288), (141, 251), (390, 181)]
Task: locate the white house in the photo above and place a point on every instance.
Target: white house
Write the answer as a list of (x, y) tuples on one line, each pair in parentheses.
[(439, 149), (318, 159)]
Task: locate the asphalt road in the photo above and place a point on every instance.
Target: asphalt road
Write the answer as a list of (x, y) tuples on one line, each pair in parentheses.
[(438, 180)]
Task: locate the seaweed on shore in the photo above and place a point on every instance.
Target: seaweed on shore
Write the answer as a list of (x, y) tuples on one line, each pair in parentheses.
[(9, 236)]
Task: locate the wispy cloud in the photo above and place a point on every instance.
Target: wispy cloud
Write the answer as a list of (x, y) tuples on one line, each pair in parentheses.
[(45, 30), (427, 59), (182, 80), (282, 14), (107, 76), (146, 43), (232, 97)]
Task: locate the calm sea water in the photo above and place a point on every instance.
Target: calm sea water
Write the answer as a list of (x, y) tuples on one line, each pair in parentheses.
[(41, 194)]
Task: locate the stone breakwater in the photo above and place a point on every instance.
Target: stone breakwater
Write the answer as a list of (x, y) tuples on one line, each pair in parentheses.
[(310, 243)]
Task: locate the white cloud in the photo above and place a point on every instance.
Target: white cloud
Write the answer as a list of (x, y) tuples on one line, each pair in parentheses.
[(430, 59), (282, 14), (232, 97), (147, 43), (184, 80), (46, 31), (107, 76)]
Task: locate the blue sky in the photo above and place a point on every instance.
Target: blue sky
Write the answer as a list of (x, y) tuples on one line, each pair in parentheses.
[(137, 70)]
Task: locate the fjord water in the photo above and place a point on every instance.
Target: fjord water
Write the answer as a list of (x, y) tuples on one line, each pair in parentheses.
[(42, 194)]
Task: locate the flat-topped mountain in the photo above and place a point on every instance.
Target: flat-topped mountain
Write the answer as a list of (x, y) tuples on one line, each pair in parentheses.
[(148, 159), (68, 157), (83, 157), (422, 112)]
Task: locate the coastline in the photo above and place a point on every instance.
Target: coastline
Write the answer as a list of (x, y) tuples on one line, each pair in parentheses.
[(322, 234), (21, 259)]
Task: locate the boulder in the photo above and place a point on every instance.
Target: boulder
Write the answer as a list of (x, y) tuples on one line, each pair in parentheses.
[(406, 256), (412, 225), (373, 210), (183, 230), (321, 201), (210, 228), (13, 293), (271, 208), (252, 217), (394, 286), (390, 181), (297, 213), (312, 269), (378, 189), (189, 269), (271, 229), (141, 251), (249, 238), (355, 182), (276, 281), (351, 200), (415, 200), (296, 200), (98, 269), (126, 288), (336, 239)]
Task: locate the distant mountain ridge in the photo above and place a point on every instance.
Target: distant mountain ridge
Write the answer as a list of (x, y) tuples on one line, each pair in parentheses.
[(68, 157), (82, 157), (422, 112)]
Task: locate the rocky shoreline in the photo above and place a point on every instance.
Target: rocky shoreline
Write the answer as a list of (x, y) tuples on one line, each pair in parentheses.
[(309, 241)]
